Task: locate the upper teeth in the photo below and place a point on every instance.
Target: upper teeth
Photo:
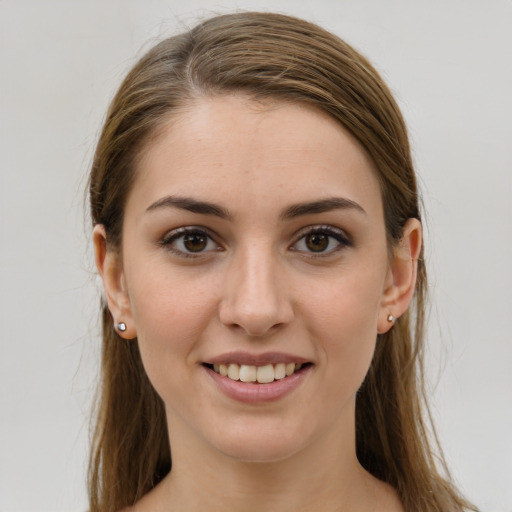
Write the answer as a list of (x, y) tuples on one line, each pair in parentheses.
[(262, 374)]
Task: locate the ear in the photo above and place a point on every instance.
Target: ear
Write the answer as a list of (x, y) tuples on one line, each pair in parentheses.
[(402, 273), (110, 268)]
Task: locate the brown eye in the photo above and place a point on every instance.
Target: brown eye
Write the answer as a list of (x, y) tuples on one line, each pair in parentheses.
[(317, 242), (195, 242), (189, 242), (322, 241)]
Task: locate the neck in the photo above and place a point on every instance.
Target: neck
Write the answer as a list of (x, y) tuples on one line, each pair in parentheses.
[(272, 487), (325, 475)]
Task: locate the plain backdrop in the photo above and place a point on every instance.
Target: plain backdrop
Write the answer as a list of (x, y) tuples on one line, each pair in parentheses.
[(450, 66)]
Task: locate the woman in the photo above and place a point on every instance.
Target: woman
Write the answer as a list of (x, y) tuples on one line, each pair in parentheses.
[(257, 229)]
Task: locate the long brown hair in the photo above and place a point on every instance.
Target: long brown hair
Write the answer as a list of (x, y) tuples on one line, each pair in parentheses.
[(273, 56)]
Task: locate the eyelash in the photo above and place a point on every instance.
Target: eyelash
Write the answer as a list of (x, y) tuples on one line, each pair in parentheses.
[(175, 235), (342, 239)]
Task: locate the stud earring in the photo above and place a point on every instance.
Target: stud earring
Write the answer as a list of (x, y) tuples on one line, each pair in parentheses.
[(121, 326), (391, 319)]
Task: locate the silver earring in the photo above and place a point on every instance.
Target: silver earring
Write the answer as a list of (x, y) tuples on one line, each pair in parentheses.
[(391, 319), (121, 326)]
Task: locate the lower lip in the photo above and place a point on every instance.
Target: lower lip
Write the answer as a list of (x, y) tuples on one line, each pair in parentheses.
[(254, 393)]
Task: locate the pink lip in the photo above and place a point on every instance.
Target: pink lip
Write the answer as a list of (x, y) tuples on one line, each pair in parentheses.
[(254, 393), (256, 359)]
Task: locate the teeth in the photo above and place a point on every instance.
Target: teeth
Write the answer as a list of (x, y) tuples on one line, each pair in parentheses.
[(248, 373), (261, 374), (279, 371), (234, 371), (265, 374)]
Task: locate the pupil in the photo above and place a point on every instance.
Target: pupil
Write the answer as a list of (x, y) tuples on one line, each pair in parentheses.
[(195, 243), (317, 242)]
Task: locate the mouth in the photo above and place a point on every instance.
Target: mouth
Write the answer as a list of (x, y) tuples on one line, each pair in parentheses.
[(264, 374)]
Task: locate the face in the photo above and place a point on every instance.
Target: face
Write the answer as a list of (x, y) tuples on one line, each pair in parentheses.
[(254, 244)]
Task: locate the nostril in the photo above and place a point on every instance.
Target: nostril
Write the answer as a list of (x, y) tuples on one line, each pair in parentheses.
[(255, 304), (255, 323)]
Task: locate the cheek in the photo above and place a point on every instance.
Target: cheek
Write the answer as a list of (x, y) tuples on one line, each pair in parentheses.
[(171, 312), (344, 320)]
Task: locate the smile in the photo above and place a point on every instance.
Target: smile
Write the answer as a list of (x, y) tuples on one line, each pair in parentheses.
[(257, 378), (261, 374)]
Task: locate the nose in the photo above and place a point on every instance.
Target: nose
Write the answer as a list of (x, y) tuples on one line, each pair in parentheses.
[(255, 296)]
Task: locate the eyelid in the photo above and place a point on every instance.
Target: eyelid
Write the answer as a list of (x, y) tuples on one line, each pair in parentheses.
[(344, 240), (171, 236)]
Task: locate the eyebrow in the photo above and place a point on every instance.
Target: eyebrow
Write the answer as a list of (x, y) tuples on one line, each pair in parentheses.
[(191, 205), (293, 211), (321, 206)]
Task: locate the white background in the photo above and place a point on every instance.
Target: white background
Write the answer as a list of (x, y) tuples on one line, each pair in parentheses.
[(450, 66)]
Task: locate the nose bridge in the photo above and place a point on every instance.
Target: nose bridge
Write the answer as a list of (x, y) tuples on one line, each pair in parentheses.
[(254, 296)]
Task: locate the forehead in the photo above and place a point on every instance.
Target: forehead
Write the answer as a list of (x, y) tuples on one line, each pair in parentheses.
[(231, 149)]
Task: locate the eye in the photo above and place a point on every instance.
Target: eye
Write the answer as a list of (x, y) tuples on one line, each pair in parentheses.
[(322, 240), (189, 242)]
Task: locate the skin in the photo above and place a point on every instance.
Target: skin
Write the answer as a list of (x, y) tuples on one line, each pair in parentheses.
[(257, 286)]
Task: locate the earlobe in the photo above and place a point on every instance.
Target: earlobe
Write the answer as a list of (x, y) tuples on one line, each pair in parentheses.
[(109, 267), (401, 281)]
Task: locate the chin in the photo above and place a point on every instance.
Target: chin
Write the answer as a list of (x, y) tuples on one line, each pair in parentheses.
[(259, 443), (258, 452)]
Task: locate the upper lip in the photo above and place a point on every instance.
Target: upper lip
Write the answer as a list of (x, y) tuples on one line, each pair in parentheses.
[(263, 359)]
